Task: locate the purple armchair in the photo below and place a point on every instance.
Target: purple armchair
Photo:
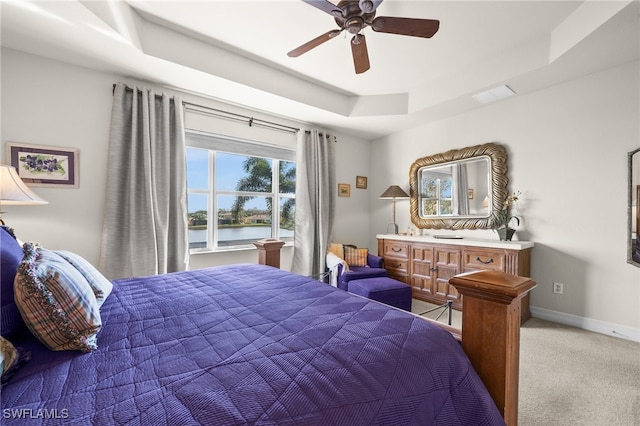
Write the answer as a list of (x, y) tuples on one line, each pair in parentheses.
[(375, 268)]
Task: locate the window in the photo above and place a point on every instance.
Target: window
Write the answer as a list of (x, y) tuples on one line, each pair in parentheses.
[(249, 189), (437, 199)]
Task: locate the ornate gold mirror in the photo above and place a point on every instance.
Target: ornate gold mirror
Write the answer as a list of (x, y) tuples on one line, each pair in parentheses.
[(459, 189), (633, 209)]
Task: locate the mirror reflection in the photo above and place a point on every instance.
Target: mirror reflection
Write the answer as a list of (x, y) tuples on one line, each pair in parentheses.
[(459, 189)]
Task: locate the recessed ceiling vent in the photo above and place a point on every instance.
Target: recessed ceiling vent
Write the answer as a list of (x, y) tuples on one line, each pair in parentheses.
[(494, 94)]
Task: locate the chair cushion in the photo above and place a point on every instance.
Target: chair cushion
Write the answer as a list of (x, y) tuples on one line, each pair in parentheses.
[(358, 273), (10, 256), (361, 272)]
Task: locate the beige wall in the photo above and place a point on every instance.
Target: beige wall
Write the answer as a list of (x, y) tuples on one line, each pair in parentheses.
[(567, 149), (45, 102), (48, 103)]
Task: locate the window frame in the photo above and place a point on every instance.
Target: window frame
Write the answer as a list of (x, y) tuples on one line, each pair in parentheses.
[(215, 144), (438, 178)]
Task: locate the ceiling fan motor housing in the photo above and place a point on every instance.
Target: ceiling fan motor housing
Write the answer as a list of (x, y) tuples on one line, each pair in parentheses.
[(354, 25), (353, 18)]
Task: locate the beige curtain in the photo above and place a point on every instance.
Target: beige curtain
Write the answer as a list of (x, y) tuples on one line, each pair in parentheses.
[(145, 222), (315, 201)]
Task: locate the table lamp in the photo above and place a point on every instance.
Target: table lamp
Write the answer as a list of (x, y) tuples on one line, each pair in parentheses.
[(13, 190), (392, 193)]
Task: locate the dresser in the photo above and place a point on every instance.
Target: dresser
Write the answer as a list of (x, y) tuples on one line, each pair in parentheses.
[(427, 263)]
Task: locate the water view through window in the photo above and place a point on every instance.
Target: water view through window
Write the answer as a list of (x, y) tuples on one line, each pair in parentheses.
[(246, 195)]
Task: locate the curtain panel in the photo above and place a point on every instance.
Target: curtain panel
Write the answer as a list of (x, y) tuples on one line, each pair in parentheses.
[(460, 188), (315, 201), (145, 224)]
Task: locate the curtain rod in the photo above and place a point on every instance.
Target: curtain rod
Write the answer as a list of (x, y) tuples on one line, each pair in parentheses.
[(232, 115), (239, 117)]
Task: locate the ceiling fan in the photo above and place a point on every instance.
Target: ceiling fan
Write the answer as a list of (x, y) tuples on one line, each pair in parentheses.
[(355, 15)]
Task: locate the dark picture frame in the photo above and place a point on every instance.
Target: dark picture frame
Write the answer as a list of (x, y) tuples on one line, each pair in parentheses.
[(40, 165), (361, 182)]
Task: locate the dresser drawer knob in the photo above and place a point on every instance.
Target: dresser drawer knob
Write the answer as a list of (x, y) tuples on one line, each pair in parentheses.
[(483, 261), (396, 265), (396, 249)]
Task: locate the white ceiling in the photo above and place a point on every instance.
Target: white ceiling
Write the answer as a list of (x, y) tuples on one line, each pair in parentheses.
[(236, 51)]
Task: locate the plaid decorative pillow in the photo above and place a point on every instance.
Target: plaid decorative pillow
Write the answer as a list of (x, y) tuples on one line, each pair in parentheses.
[(56, 301), (101, 286), (355, 256)]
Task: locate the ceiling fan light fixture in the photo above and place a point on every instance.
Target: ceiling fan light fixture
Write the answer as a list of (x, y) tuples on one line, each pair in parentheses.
[(354, 25), (366, 6)]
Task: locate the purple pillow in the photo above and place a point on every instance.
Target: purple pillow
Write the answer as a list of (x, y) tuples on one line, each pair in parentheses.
[(10, 256)]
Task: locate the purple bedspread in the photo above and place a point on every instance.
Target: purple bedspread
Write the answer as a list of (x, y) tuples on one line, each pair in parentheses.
[(249, 344)]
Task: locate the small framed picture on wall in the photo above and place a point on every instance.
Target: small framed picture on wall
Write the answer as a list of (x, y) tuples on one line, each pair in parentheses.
[(361, 182), (39, 165), (344, 190)]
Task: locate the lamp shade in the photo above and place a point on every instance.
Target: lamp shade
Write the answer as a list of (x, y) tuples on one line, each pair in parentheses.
[(394, 191), (13, 191)]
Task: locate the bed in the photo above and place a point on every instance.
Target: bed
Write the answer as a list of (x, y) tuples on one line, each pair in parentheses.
[(248, 344)]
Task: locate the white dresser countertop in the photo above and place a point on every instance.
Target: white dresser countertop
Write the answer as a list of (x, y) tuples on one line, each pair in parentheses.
[(464, 241)]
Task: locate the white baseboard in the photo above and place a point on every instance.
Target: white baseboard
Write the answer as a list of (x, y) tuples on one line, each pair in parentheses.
[(602, 327)]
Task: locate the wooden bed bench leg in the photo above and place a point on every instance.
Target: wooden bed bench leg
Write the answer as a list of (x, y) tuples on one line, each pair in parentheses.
[(269, 252), (491, 332)]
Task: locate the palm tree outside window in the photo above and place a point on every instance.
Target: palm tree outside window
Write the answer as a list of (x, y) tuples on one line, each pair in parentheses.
[(250, 197)]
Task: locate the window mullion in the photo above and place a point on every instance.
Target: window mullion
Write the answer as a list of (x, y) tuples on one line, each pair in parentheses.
[(275, 200), (213, 203)]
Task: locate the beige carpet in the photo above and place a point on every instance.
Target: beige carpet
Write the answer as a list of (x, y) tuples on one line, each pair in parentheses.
[(570, 376)]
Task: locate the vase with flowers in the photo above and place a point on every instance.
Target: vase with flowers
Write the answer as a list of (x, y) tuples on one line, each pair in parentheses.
[(505, 217)]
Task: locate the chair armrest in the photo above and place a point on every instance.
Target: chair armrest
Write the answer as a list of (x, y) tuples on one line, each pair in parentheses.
[(375, 261)]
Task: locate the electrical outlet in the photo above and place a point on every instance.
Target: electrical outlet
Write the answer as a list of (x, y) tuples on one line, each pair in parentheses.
[(558, 288)]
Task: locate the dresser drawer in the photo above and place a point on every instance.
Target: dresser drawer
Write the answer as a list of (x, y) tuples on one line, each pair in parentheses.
[(396, 249), (396, 266), (473, 260)]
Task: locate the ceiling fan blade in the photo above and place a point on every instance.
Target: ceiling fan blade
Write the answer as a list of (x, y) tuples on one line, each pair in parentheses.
[(313, 43), (325, 6), (406, 26), (360, 54)]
